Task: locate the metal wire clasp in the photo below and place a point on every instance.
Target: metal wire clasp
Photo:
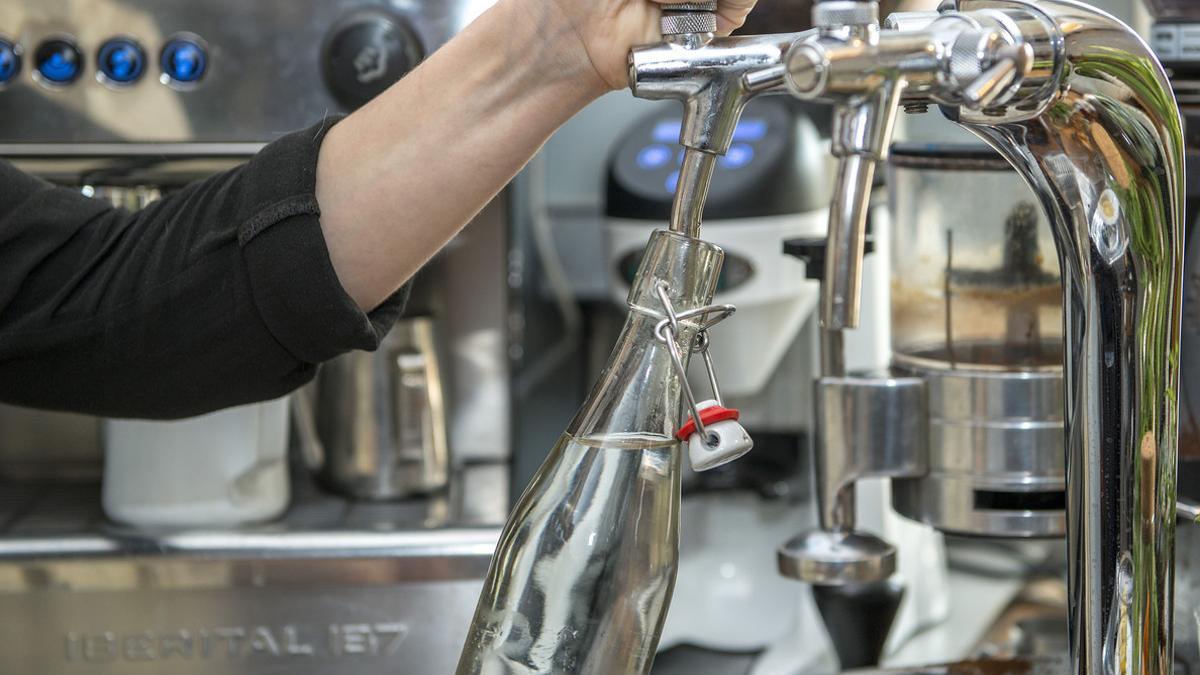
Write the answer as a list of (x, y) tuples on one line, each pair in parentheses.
[(667, 332)]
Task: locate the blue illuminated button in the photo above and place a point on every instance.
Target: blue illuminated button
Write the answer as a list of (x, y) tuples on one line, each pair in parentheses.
[(10, 61), (739, 156), (121, 61), (672, 182), (58, 61), (184, 60), (654, 156)]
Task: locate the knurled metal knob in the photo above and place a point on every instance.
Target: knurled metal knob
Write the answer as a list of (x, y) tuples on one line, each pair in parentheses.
[(837, 13), (966, 55), (689, 17)]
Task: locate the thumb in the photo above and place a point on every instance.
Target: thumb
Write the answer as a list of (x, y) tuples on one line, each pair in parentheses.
[(732, 14)]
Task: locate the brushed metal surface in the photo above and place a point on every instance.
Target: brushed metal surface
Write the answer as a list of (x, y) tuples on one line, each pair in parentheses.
[(335, 587), (263, 79), (348, 631)]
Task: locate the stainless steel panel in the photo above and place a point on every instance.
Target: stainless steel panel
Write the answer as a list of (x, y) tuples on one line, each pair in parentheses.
[(36, 445), (263, 80), (949, 503), (335, 587), (997, 433), (868, 428), (404, 628)]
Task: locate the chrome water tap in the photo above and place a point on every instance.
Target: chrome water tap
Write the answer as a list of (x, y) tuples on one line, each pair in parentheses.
[(714, 77), (1080, 106)]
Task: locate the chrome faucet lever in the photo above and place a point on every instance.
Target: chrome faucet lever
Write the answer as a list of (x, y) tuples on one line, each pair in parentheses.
[(987, 89), (714, 78)]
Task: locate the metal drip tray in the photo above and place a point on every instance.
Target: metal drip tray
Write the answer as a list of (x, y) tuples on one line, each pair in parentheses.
[(332, 587), (1048, 666)]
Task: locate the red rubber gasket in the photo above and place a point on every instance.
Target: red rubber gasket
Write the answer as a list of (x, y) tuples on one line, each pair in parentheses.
[(710, 415)]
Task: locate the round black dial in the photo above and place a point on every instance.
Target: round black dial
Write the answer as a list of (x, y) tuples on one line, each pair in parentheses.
[(365, 53)]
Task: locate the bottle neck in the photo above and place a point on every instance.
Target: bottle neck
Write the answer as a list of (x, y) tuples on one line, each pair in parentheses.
[(639, 392)]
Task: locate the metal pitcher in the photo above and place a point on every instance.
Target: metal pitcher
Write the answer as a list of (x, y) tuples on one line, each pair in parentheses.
[(375, 426)]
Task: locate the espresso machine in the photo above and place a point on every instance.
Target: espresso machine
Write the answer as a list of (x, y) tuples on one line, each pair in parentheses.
[(963, 423), (395, 494)]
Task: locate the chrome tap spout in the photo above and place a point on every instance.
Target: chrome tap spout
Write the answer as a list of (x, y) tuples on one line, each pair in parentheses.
[(714, 78)]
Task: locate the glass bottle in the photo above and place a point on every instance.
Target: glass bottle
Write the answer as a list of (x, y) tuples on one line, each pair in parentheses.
[(582, 577)]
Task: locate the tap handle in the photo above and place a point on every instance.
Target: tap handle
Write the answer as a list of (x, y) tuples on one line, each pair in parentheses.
[(687, 18), (987, 89)]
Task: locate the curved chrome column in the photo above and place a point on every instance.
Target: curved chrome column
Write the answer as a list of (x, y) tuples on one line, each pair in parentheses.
[(1105, 156), (1079, 104)]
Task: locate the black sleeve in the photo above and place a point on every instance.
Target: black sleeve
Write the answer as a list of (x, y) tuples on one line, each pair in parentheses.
[(220, 294)]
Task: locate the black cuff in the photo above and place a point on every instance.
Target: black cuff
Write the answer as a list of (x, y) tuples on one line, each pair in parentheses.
[(292, 278)]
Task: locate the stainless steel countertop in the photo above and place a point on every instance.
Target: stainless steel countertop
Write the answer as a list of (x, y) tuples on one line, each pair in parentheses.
[(456, 531)]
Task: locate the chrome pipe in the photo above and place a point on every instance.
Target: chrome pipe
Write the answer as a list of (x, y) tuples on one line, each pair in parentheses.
[(691, 193), (1108, 167), (714, 78), (839, 501), (841, 295), (1106, 160), (1078, 103), (1189, 510)]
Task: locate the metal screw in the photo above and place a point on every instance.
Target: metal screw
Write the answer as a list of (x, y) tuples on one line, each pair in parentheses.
[(916, 108)]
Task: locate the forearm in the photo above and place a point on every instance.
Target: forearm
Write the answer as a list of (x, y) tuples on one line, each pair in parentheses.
[(220, 294), (399, 178)]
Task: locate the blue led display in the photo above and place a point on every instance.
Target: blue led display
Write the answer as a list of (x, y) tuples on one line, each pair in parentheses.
[(122, 61), (59, 62), (10, 62), (184, 60), (668, 131), (739, 156), (654, 156), (749, 130)]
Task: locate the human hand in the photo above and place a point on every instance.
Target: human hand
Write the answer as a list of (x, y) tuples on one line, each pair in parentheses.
[(603, 31)]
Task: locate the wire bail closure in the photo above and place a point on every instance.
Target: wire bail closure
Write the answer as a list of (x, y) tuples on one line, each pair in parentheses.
[(667, 331)]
